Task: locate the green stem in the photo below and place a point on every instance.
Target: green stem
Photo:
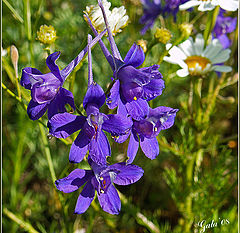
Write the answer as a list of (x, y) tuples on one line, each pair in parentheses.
[(26, 226), (17, 16), (211, 21), (197, 104), (212, 100), (165, 145), (47, 153), (188, 201)]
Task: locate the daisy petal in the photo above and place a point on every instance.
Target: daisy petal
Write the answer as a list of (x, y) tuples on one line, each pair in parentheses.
[(222, 68), (182, 73)]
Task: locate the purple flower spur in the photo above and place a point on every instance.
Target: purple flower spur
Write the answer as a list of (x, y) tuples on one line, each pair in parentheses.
[(46, 89), (101, 179)]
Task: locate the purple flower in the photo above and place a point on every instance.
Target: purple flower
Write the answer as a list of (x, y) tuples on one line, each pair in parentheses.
[(223, 26), (91, 136), (101, 179), (145, 131), (133, 87), (46, 89)]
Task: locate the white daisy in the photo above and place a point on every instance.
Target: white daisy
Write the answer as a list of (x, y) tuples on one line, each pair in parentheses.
[(208, 5), (197, 60), (117, 18)]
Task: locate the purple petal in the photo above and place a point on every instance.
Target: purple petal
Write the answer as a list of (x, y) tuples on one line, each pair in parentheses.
[(110, 201), (62, 125), (46, 89), (79, 148), (94, 95), (166, 116), (127, 74), (51, 63), (74, 180), (138, 109), (126, 174), (122, 108), (224, 40), (145, 127), (153, 89), (99, 148), (131, 91), (121, 138), (112, 101), (135, 56), (132, 148), (35, 110), (85, 198), (117, 124), (150, 147), (28, 77), (62, 98)]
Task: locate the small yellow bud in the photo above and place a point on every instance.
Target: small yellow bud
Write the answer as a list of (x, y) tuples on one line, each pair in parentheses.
[(46, 34), (163, 35), (143, 44), (186, 29)]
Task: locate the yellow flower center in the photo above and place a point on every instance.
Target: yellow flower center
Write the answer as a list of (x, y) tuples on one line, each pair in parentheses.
[(198, 65)]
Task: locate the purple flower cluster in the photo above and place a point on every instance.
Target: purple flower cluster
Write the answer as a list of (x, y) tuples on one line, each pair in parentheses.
[(153, 8), (224, 25), (131, 90)]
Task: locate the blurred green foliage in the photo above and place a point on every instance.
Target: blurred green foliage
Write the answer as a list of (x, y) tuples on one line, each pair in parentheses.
[(194, 178)]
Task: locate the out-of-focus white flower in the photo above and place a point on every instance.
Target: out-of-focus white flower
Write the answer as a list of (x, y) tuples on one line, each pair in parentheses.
[(197, 60), (208, 5), (117, 18), (4, 52), (80, 231)]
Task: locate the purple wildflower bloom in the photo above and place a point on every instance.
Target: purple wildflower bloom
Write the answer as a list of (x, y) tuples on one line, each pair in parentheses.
[(153, 8), (223, 26), (145, 131), (172, 7), (133, 87), (46, 89), (101, 179), (91, 136)]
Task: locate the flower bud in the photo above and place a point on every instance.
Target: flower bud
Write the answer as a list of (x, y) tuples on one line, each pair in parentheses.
[(186, 29), (163, 35), (143, 44), (14, 58), (46, 34)]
